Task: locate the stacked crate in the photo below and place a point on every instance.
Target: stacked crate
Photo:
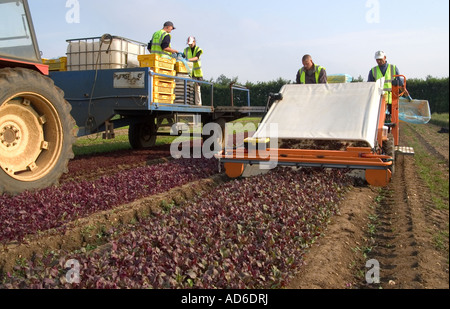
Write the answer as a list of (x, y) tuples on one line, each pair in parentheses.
[(59, 64), (182, 71), (339, 78), (163, 87), (180, 67)]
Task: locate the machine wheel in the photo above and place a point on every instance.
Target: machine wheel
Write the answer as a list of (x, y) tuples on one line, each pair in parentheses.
[(389, 150), (142, 135), (36, 131), (234, 170)]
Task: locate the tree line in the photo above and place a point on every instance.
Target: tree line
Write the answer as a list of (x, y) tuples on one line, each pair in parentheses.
[(434, 90)]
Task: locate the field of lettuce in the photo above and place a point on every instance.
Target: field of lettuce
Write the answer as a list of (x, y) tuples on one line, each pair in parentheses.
[(143, 220), (248, 233)]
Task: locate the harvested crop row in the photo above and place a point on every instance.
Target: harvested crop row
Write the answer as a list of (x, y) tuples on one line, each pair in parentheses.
[(51, 208), (250, 233)]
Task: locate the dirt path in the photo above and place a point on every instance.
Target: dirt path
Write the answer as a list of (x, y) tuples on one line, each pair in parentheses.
[(396, 226), (333, 261)]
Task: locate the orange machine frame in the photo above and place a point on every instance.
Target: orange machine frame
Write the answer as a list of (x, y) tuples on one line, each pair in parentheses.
[(377, 166)]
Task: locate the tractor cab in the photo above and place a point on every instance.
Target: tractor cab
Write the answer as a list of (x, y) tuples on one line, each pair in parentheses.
[(18, 44)]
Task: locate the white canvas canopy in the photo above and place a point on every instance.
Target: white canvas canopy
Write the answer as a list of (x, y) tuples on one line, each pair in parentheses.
[(344, 112)]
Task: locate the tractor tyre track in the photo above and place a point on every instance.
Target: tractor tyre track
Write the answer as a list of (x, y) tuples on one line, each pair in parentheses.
[(396, 226), (403, 241), (396, 243)]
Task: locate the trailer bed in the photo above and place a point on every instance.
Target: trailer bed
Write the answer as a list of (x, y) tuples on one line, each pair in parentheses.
[(98, 96)]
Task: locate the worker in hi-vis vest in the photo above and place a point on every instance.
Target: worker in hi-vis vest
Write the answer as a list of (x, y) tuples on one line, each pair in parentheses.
[(160, 43), (311, 73), (193, 54), (386, 70)]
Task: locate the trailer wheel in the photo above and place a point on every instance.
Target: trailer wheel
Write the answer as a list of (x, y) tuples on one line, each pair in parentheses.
[(142, 135), (36, 131), (219, 138), (389, 150)]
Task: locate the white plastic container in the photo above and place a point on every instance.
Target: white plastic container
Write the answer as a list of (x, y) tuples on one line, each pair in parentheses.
[(106, 52)]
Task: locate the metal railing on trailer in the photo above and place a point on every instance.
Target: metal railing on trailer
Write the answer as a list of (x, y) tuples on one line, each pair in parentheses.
[(99, 96)]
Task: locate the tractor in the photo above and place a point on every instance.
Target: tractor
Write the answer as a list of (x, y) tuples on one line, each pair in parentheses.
[(36, 127)]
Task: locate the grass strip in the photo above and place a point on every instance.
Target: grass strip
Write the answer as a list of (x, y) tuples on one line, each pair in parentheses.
[(433, 177)]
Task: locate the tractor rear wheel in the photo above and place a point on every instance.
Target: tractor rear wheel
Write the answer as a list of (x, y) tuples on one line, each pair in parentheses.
[(36, 131)]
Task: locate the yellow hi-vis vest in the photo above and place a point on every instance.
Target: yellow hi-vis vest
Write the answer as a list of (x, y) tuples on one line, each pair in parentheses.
[(390, 72), (197, 70), (157, 40), (318, 69)]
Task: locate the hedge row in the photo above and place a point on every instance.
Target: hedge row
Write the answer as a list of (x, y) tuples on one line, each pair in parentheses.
[(435, 90), (258, 93)]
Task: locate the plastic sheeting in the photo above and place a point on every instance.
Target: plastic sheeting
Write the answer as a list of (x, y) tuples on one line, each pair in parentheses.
[(185, 63), (344, 112), (415, 111)]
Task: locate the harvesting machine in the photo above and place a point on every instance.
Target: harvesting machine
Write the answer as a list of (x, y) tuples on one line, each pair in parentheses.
[(351, 112)]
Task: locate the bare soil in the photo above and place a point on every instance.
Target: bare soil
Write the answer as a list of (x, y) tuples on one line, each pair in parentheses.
[(403, 242)]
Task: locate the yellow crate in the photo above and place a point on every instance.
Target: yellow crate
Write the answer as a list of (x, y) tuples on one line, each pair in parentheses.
[(56, 64), (164, 71), (163, 90), (156, 61), (180, 67), (158, 80), (163, 98), (339, 78), (157, 57), (166, 82), (160, 101)]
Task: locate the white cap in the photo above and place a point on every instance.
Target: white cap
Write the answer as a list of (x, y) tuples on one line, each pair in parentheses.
[(380, 55), (191, 40)]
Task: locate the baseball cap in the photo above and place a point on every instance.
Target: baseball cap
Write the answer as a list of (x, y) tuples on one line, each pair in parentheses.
[(169, 24), (191, 40), (380, 55)]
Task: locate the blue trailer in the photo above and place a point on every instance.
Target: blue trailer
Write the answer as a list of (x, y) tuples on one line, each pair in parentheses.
[(105, 100)]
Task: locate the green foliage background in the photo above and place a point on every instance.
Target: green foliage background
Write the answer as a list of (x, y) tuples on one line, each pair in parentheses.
[(434, 90), (259, 92)]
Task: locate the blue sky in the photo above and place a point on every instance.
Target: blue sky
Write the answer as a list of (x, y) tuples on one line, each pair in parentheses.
[(261, 40)]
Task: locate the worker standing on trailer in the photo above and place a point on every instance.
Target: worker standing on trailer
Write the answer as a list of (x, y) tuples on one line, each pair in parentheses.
[(161, 41), (193, 54), (386, 70), (311, 73)]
